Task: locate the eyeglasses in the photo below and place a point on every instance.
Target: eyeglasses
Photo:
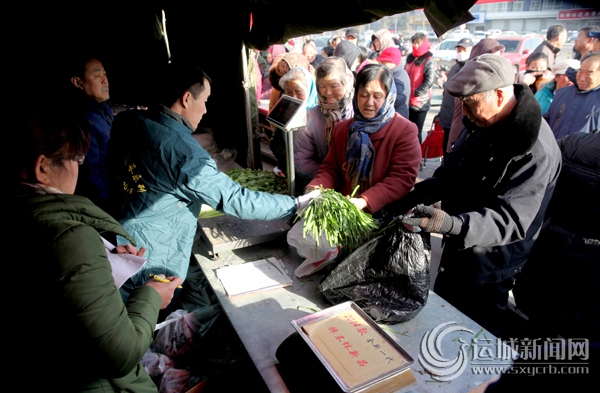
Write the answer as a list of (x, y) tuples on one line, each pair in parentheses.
[(78, 157), (467, 100)]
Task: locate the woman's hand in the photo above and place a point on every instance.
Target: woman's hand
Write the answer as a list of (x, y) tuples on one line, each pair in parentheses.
[(360, 203), (129, 249), (165, 289)]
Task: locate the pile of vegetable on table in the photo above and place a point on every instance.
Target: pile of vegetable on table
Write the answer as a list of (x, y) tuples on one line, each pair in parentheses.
[(253, 180)]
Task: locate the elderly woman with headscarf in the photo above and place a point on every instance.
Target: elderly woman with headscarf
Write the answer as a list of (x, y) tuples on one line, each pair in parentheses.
[(335, 90), (281, 65), (381, 40), (298, 83), (377, 149)]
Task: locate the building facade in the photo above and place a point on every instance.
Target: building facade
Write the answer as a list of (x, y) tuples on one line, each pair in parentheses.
[(532, 16)]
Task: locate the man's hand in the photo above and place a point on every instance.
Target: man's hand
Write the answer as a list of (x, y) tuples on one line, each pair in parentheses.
[(165, 289), (303, 200), (432, 220)]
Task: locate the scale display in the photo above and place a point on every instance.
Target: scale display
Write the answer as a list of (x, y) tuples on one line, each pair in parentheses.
[(288, 113)]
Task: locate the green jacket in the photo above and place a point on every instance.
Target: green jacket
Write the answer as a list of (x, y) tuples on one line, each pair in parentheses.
[(77, 335)]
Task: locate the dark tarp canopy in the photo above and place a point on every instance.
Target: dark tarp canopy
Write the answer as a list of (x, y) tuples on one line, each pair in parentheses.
[(273, 23), (130, 41)]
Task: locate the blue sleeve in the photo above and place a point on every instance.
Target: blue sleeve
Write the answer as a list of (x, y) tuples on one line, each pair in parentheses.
[(202, 181)]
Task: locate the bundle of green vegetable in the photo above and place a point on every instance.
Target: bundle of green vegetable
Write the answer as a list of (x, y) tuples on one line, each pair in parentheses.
[(343, 223), (259, 180), (208, 212)]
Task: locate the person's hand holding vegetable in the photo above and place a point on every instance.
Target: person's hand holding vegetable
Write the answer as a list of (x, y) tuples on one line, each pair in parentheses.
[(303, 200), (360, 203)]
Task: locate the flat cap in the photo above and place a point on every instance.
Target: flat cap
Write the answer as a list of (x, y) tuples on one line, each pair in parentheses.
[(482, 73)]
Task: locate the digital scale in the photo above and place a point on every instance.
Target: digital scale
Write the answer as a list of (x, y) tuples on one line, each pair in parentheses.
[(226, 233)]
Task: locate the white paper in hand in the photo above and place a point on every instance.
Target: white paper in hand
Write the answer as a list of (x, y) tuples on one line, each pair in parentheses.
[(123, 265)]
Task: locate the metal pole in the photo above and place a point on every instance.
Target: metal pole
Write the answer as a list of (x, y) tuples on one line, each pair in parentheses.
[(249, 131), (291, 169)]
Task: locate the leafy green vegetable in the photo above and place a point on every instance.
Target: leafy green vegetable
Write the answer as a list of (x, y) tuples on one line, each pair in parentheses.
[(208, 212), (343, 223), (259, 180)]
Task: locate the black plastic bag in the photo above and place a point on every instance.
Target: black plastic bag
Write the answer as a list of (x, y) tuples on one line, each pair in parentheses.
[(388, 276)]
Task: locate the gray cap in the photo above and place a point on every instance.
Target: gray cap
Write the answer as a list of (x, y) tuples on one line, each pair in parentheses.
[(352, 31), (465, 43), (482, 73)]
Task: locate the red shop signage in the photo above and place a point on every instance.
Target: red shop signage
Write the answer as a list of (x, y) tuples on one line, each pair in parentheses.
[(578, 14)]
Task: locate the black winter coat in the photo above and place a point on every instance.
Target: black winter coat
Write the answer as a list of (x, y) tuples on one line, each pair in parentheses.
[(559, 284), (498, 182)]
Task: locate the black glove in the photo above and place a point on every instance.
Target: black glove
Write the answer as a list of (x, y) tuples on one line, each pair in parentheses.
[(432, 220)]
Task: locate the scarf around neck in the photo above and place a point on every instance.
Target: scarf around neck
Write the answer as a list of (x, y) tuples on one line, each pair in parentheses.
[(422, 49), (360, 152)]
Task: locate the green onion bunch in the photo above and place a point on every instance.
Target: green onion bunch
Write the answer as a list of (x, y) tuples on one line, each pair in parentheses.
[(343, 223), (259, 180)]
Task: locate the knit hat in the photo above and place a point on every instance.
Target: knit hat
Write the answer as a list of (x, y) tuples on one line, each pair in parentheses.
[(483, 73), (391, 55), (347, 51), (561, 67), (465, 43)]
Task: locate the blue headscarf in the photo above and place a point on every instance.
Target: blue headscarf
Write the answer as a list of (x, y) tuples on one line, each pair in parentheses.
[(360, 152), (312, 99)]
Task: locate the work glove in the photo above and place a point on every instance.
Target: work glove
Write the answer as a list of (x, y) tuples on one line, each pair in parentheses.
[(303, 200), (432, 220)]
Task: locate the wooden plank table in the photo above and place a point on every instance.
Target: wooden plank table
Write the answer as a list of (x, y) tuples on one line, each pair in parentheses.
[(262, 320)]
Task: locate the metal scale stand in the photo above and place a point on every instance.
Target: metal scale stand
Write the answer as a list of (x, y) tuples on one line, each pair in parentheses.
[(226, 233)]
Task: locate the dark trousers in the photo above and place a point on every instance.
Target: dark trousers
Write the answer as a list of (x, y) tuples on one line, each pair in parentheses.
[(418, 117), (486, 304)]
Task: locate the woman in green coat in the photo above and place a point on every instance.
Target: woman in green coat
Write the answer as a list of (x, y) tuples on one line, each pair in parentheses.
[(75, 334)]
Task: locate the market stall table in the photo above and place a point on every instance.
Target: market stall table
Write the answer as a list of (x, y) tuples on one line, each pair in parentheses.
[(262, 320)]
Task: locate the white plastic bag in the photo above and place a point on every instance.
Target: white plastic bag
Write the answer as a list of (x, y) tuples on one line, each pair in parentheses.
[(316, 258), (156, 363), (176, 339)]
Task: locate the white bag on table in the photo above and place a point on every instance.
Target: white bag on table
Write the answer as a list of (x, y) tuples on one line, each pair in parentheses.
[(316, 257)]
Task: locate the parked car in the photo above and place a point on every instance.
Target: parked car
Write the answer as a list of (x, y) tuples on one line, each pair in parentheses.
[(321, 41), (479, 35), (518, 48), (572, 36), (493, 33), (445, 51)]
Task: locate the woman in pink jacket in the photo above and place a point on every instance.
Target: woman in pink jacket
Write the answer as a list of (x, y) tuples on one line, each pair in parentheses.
[(377, 150)]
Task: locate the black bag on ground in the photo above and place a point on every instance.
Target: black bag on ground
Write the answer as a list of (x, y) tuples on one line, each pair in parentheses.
[(387, 277)]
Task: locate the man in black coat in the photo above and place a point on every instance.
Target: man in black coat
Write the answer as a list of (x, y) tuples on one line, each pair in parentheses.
[(494, 189)]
